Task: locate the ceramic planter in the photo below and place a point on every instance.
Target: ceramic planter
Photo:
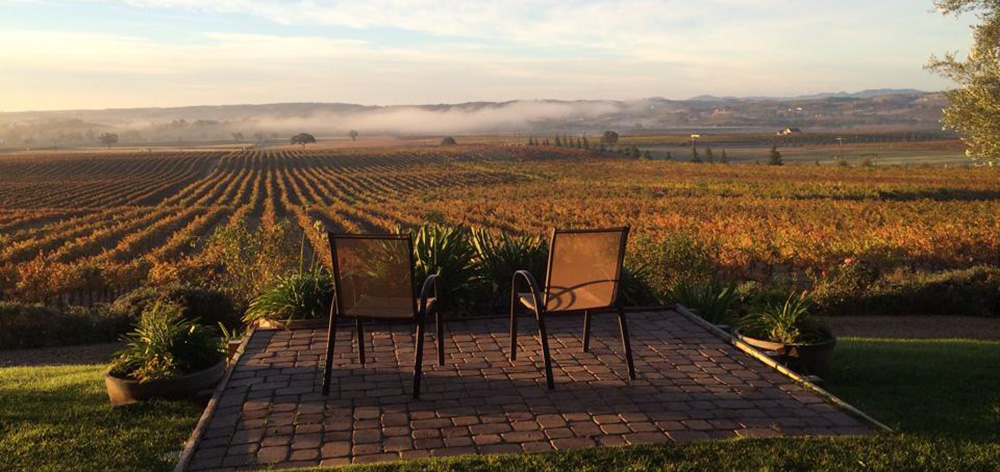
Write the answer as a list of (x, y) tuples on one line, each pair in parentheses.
[(808, 359), (126, 391)]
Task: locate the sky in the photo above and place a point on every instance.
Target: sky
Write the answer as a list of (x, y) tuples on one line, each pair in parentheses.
[(162, 53)]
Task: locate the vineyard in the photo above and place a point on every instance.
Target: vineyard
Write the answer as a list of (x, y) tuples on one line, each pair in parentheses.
[(80, 228)]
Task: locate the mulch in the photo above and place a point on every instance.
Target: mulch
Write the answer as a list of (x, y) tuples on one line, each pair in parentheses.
[(916, 327)]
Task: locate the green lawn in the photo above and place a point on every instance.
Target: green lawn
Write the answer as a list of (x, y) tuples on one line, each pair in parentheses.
[(57, 418), (942, 396)]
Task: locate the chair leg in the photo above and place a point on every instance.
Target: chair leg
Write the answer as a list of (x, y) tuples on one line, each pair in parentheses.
[(626, 343), (440, 337), (549, 382), (361, 340), (513, 327), (418, 357), (328, 369), (586, 331)]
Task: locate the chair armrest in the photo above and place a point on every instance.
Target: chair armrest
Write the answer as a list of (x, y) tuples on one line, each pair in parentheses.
[(432, 286), (532, 286)]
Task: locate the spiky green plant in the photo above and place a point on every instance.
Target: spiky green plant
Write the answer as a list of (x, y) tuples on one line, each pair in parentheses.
[(789, 323), (447, 252), (165, 346), (498, 256), (304, 295), (713, 301)]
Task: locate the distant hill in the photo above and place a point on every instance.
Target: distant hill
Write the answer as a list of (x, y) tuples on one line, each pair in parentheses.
[(896, 109), (818, 96)]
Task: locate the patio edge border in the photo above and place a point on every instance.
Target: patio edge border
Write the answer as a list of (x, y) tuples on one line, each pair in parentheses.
[(206, 416), (756, 354)]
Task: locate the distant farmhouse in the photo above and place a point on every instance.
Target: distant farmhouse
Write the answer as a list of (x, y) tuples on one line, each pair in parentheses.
[(790, 132)]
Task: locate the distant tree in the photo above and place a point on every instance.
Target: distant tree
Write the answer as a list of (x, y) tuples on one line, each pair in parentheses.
[(724, 158), (974, 107), (547, 141), (669, 156), (108, 139), (558, 141), (602, 148), (709, 157), (647, 155), (237, 136), (531, 141), (635, 151), (610, 138), (695, 157), (353, 134), (774, 156), (303, 139), (448, 141), (586, 144)]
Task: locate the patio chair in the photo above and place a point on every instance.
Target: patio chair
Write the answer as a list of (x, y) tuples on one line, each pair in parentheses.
[(373, 280), (583, 276)]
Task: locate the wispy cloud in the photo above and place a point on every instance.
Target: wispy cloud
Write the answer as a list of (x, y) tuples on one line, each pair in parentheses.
[(333, 50)]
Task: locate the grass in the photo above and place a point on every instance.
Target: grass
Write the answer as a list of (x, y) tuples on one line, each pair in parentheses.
[(925, 387), (57, 418), (943, 396)]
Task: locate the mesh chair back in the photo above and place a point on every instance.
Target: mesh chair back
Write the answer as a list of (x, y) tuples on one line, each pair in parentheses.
[(584, 269), (374, 276)]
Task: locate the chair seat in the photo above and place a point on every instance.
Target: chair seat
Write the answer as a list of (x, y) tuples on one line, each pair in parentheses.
[(384, 307), (581, 301)]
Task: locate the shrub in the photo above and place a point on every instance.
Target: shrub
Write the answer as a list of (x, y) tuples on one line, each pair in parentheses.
[(971, 291), (679, 257), (713, 301), (166, 345), (209, 306), (789, 323), (27, 326), (845, 286), (449, 253), (247, 261), (304, 295), (498, 256)]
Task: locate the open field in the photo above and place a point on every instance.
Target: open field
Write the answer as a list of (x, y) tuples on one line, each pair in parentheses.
[(110, 221)]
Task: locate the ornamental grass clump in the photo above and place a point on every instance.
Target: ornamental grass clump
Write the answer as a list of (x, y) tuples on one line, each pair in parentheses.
[(448, 253), (499, 256), (304, 295), (713, 301), (164, 346)]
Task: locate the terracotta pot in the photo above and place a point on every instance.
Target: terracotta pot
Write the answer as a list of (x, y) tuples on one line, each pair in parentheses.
[(127, 391), (231, 347), (761, 344)]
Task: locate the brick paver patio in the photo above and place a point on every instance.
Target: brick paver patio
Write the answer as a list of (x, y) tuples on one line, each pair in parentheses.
[(691, 386)]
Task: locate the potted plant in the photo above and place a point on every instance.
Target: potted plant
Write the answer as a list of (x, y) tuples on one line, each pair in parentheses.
[(301, 299), (166, 356), (792, 332)]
